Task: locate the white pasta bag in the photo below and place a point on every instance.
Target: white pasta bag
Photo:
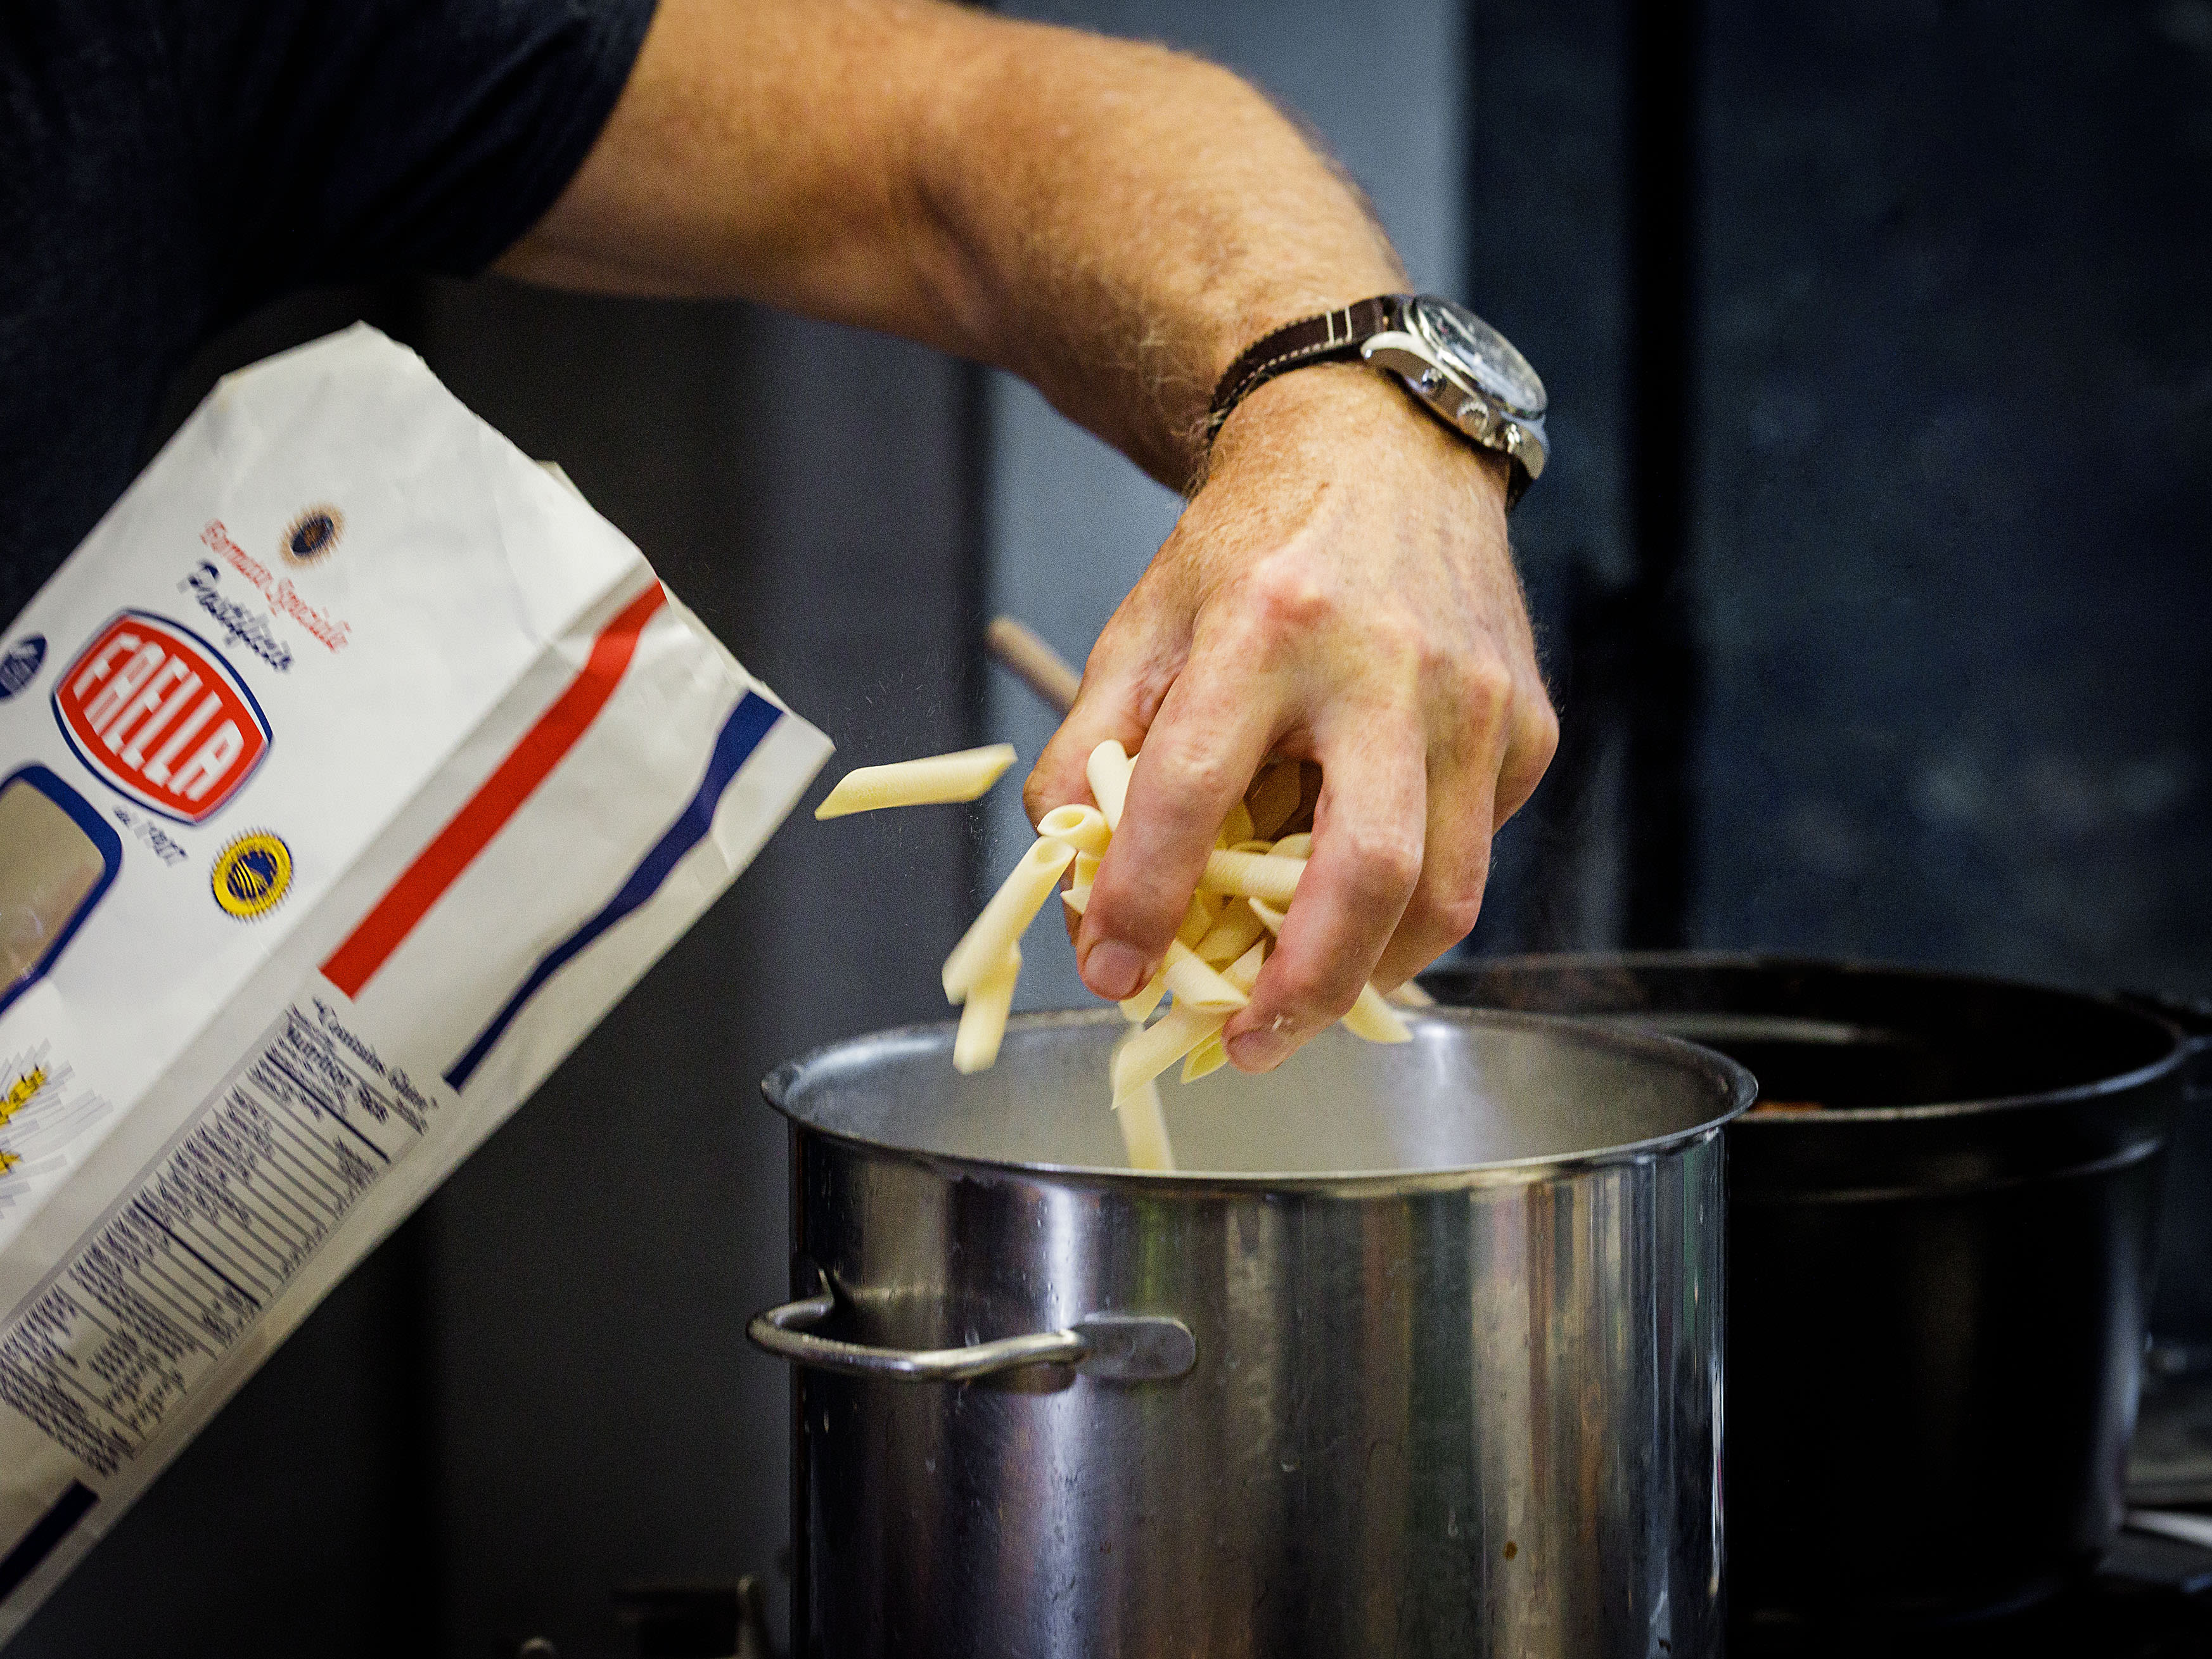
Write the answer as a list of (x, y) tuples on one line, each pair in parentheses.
[(349, 772)]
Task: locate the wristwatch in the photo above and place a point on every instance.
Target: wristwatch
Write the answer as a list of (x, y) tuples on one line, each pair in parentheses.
[(1459, 369)]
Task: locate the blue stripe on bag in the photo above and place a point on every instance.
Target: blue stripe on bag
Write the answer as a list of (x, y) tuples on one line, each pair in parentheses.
[(748, 722)]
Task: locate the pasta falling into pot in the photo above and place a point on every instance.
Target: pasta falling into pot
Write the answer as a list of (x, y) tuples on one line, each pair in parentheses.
[(1250, 881)]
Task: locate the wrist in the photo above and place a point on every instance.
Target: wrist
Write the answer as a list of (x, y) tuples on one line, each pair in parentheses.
[(1311, 421), (1452, 363)]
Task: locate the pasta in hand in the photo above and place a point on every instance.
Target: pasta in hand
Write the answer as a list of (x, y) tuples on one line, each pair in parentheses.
[(1250, 881)]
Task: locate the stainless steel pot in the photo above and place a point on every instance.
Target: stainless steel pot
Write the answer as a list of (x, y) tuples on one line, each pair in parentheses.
[(1421, 1354)]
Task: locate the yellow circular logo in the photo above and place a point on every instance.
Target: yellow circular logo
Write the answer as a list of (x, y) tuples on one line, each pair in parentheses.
[(252, 875)]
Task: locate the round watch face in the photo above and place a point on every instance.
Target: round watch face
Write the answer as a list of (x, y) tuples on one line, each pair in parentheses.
[(1480, 352)]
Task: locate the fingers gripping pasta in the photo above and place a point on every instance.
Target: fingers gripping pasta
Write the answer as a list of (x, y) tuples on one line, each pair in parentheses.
[(1210, 968), (963, 776), (1211, 1056), (1371, 1016)]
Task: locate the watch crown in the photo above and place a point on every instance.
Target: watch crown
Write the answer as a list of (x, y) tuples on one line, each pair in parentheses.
[(1478, 418)]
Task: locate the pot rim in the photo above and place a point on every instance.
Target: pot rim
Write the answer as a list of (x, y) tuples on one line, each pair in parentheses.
[(1739, 1087), (2176, 1058)]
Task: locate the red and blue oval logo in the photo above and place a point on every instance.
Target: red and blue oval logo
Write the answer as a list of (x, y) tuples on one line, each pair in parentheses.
[(155, 711)]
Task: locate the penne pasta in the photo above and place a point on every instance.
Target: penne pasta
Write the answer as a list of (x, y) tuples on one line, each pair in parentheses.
[(1138, 1008), (1004, 919), (1198, 920), (983, 1019), (963, 776), (1230, 937), (1145, 1130), (1373, 1018), (1210, 1056), (1244, 972), (1083, 828), (1411, 995), (1195, 984), (1253, 875), (1107, 770), (1143, 1055), (1370, 1017), (1211, 966)]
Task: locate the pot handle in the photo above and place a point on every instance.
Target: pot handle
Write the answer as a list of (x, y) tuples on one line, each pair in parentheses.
[(1119, 1347), (2193, 1018)]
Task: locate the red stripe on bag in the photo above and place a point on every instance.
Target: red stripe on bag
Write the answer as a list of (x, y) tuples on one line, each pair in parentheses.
[(450, 851)]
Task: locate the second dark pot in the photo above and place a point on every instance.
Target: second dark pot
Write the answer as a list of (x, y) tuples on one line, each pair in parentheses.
[(1938, 1282)]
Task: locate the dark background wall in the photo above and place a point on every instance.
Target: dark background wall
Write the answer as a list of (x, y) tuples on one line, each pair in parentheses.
[(1931, 594), (1871, 570)]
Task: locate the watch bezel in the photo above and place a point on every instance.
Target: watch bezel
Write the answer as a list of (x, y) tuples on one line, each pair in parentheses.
[(1464, 366)]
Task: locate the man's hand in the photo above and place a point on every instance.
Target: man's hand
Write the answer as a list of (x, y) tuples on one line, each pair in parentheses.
[(1115, 223), (1338, 592)]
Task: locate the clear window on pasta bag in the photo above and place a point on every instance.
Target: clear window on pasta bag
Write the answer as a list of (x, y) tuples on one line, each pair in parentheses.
[(56, 859)]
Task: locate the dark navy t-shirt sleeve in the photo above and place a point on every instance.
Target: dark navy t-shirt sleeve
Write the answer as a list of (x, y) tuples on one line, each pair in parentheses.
[(337, 140), (169, 166)]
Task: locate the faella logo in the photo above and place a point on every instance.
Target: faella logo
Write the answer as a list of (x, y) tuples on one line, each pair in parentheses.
[(158, 714)]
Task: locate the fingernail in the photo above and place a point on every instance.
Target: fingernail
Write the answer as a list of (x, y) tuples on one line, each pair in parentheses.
[(1113, 970), (1259, 1051)]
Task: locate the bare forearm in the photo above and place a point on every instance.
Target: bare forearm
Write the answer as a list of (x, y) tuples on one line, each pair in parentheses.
[(1116, 223), (1112, 220), (1156, 215)]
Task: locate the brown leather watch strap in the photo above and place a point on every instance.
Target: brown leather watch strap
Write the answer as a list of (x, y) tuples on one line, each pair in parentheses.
[(1326, 338)]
